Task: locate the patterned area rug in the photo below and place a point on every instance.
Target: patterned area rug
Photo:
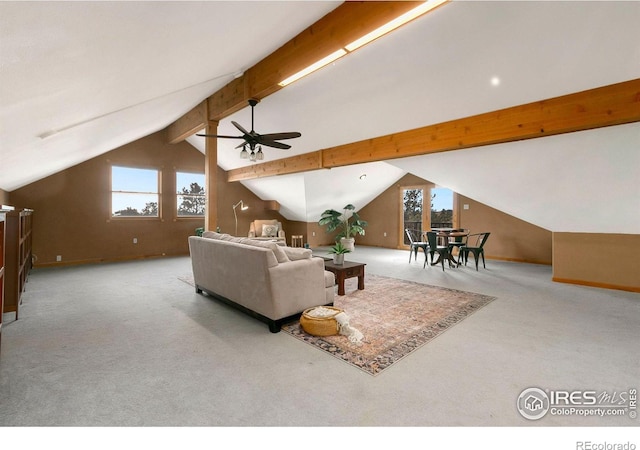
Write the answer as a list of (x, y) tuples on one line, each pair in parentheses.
[(396, 318)]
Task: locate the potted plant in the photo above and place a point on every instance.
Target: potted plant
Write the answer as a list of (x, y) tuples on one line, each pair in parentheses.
[(339, 251), (348, 224)]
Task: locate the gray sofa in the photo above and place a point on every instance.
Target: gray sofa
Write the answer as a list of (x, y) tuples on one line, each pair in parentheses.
[(270, 282)]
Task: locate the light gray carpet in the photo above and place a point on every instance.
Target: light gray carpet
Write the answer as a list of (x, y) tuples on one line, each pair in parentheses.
[(129, 344)]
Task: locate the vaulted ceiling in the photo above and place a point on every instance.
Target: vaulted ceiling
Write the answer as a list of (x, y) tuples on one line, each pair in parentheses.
[(78, 79)]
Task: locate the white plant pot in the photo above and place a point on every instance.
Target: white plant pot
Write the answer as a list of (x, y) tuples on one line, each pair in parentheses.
[(349, 243), (338, 258)]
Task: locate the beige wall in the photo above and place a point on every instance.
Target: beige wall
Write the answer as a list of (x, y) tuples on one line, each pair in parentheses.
[(384, 215), (4, 197), (597, 259), (316, 236), (72, 207), (72, 219), (511, 238), (231, 193)]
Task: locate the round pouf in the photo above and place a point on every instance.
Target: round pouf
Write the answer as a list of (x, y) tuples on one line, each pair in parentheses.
[(320, 320)]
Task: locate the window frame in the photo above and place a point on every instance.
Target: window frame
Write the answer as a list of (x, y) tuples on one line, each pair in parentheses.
[(158, 193)]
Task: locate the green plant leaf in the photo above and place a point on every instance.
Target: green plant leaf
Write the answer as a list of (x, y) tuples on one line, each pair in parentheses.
[(347, 226)]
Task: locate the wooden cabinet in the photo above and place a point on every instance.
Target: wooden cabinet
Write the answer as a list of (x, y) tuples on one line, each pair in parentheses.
[(1, 272), (17, 257)]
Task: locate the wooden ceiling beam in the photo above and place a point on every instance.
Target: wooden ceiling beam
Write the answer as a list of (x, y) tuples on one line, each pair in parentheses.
[(296, 164), (192, 122), (615, 104), (343, 25), (605, 106), (337, 29)]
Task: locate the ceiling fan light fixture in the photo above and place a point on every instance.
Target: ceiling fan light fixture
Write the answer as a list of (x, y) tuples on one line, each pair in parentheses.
[(253, 139)]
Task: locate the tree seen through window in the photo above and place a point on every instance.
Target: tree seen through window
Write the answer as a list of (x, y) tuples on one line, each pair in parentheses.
[(134, 192), (190, 194)]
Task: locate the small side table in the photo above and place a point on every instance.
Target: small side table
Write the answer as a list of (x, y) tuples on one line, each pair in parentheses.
[(347, 270), (296, 240)]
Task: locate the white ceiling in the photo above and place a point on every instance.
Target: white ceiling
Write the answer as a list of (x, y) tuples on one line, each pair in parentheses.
[(122, 70), (117, 71), (591, 176)]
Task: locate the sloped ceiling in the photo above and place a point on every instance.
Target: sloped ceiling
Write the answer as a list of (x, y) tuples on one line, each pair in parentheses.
[(67, 63), (579, 182), (305, 196), (104, 74)]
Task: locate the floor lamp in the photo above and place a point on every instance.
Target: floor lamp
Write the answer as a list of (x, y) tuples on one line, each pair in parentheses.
[(242, 208)]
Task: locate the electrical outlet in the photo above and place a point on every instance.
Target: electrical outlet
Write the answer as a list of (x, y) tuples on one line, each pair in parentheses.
[(135, 240), (465, 206), (385, 234), (58, 258), (313, 233)]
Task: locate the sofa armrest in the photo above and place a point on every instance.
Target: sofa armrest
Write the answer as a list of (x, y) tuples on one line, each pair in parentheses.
[(298, 285)]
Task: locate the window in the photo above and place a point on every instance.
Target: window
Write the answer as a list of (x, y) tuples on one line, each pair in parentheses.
[(441, 208), (190, 194), (134, 192), (414, 215)]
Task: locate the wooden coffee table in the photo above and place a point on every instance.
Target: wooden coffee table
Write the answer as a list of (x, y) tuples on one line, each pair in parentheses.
[(347, 270)]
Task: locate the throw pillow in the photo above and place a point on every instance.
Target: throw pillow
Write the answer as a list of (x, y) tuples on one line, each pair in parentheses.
[(269, 230), (278, 252)]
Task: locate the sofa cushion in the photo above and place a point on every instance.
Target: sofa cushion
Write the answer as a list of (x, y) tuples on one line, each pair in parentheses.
[(329, 279), (220, 236), (211, 235), (296, 253), (279, 253)]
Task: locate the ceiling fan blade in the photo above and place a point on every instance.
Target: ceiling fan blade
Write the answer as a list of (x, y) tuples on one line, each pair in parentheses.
[(220, 136), (274, 144), (239, 127), (280, 136)]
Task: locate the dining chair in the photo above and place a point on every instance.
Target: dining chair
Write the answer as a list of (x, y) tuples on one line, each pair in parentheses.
[(441, 250), (415, 245), (458, 240), (474, 244)]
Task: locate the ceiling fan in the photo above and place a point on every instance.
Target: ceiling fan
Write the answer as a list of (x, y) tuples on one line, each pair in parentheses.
[(253, 139)]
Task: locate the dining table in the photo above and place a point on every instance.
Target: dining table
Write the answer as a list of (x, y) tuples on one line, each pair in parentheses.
[(450, 237)]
